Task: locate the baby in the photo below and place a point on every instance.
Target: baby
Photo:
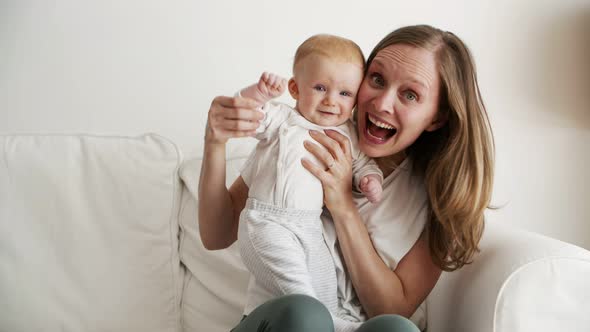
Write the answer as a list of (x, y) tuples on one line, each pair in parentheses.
[(280, 232)]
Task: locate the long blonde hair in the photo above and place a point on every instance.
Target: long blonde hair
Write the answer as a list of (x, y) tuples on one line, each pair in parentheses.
[(457, 160)]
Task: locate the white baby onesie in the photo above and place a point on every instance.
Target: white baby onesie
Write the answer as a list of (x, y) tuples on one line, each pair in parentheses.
[(280, 232)]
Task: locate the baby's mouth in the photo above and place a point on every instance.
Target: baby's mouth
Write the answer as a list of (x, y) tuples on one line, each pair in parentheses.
[(328, 112), (378, 129)]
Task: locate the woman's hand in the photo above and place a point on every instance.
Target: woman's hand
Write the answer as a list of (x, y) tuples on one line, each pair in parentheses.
[(336, 176), (231, 117)]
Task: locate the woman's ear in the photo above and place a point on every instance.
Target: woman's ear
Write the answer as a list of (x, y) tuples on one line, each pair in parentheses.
[(293, 89), (441, 118)]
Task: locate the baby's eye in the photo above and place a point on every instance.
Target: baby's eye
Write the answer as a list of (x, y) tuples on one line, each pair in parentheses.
[(346, 94), (319, 88)]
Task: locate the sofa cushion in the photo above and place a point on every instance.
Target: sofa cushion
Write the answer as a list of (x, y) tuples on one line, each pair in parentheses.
[(519, 281), (216, 281), (89, 233), (521, 306)]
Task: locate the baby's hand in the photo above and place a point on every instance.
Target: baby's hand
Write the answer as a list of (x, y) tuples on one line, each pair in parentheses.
[(370, 185), (271, 85)]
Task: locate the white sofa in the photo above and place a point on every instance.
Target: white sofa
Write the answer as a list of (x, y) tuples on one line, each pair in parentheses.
[(100, 234)]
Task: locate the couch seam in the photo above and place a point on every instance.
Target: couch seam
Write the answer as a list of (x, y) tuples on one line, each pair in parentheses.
[(185, 285), (172, 231), (181, 240)]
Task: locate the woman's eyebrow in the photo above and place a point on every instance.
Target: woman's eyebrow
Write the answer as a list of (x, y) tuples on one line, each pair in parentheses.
[(377, 63), (418, 82), (421, 84)]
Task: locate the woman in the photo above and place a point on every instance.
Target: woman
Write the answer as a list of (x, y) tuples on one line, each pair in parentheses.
[(420, 115)]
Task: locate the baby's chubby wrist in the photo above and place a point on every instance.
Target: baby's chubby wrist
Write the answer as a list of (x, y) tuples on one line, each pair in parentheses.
[(271, 86), (377, 178), (371, 185)]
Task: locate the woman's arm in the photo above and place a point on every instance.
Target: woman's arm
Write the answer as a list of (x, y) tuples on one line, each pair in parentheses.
[(219, 207), (380, 290)]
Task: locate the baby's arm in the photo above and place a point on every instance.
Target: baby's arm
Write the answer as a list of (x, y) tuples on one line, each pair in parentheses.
[(367, 176), (268, 87)]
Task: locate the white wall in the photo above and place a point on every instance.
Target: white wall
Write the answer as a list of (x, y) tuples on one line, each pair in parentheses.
[(127, 67)]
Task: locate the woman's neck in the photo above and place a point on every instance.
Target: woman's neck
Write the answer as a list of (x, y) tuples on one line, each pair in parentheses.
[(388, 164)]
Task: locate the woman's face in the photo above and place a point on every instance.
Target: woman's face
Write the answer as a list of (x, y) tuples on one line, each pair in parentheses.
[(397, 100)]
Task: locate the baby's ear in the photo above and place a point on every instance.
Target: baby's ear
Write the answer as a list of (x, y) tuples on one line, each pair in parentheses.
[(293, 89)]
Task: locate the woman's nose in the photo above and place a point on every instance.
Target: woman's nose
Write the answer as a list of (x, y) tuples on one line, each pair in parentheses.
[(384, 102)]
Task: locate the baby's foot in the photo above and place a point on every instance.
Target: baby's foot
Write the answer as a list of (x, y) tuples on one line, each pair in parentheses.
[(271, 85)]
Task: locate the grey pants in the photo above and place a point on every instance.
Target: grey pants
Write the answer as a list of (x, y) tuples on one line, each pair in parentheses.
[(302, 313)]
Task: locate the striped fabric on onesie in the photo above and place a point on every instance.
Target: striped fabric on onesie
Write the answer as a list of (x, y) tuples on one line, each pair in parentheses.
[(285, 251)]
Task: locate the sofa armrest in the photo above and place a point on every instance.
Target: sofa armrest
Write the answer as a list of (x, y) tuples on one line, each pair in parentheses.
[(520, 281)]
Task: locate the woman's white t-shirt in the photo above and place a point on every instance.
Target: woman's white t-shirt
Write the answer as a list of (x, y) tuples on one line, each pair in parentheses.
[(394, 225)]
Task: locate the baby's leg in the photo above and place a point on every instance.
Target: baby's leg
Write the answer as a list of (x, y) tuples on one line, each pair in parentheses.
[(274, 255), (290, 260)]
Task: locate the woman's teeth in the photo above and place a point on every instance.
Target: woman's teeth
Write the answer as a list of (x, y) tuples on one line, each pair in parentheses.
[(379, 131), (379, 123)]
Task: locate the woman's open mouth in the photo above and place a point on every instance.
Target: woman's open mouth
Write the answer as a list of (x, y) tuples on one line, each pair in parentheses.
[(378, 132)]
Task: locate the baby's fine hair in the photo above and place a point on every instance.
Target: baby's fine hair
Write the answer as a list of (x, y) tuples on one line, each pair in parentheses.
[(333, 47)]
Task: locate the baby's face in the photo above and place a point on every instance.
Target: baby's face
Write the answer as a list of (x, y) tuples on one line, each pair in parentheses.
[(326, 89)]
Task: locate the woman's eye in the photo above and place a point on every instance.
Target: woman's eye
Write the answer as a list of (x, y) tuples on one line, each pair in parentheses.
[(377, 79), (411, 96), (319, 88)]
